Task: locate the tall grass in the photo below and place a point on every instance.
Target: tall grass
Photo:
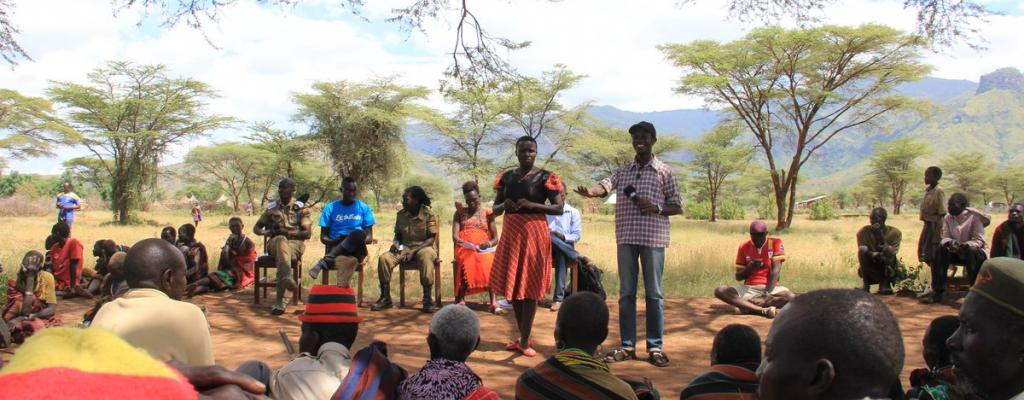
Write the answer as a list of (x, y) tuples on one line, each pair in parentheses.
[(820, 254)]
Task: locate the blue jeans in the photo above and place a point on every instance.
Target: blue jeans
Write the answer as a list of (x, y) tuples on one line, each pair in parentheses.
[(652, 259), (561, 253)]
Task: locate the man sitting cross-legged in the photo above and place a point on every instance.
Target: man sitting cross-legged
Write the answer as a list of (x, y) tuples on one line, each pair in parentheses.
[(150, 315), (575, 372), (832, 344), (454, 335), (329, 327), (877, 246), (988, 347), (758, 264), (735, 357)]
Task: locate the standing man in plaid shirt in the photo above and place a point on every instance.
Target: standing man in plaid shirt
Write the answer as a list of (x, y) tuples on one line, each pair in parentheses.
[(647, 194)]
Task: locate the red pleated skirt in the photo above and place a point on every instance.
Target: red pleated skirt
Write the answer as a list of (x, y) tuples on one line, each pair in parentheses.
[(522, 263)]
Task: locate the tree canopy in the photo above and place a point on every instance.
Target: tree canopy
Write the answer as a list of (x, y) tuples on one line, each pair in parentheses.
[(717, 156), (894, 167), (29, 127)]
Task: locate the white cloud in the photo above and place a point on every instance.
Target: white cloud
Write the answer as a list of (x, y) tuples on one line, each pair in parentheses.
[(265, 53)]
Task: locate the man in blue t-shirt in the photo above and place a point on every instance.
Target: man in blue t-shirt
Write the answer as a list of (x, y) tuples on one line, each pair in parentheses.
[(339, 218), (67, 203)]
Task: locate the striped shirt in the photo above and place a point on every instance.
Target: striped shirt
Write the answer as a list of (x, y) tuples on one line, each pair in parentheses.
[(723, 382), (653, 181)]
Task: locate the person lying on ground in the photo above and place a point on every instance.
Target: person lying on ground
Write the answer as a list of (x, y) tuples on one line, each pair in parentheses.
[(988, 347), (575, 372), (758, 264), (329, 327), (1008, 239), (877, 247), (150, 315), (832, 344), (937, 382), (31, 302), (454, 335), (735, 357), (236, 268)]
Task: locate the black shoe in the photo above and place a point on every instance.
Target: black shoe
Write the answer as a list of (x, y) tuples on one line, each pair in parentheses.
[(314, 271), (277, 311), (658, 358), (428, 303), (382, 303)]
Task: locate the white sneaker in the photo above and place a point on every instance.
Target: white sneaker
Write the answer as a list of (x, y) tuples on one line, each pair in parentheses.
[(504, 303)]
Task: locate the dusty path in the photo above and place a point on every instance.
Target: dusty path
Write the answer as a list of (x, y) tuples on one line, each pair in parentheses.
[(243, 331)]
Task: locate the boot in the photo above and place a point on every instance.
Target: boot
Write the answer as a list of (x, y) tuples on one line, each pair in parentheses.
[(320, 265), (428, 302), (385, 298)]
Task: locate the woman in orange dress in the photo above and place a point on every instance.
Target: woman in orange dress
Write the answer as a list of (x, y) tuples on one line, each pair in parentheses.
[(522, 262), (474, 235)]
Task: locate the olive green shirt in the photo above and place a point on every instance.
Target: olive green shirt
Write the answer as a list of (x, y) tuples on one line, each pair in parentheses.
[(286, 217), (933, 205), (874, 242), (411, 230)]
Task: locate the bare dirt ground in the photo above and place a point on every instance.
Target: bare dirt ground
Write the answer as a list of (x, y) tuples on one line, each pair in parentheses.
[(243, 331)]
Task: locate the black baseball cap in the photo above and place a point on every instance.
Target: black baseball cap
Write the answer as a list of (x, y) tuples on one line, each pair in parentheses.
[(643, 126)]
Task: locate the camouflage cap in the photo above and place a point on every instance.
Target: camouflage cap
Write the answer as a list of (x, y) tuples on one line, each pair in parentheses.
[(1001, 280)]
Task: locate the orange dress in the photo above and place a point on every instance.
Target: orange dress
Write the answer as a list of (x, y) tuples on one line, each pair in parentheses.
[(474, 266)]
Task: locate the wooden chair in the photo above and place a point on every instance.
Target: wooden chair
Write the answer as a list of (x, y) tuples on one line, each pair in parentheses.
[(457, 274), (325, 278), (412, 267), (574, 276), (955, 283), (263, 264)]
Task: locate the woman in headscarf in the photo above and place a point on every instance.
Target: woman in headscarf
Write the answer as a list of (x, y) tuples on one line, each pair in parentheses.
[(522, 263)]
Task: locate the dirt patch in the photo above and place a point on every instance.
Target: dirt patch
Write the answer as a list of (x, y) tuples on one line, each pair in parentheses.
[(243, 331)]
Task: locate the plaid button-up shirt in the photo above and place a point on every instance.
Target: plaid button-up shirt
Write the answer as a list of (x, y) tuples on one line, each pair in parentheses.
[(655, 182)]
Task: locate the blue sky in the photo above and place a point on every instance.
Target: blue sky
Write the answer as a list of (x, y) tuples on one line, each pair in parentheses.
[(266, 53)]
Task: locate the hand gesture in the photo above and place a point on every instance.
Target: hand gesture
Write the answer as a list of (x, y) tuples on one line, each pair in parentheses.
[(558, 235), (511, 205), (583, 191), (406, 257), (394, 248), (524, 204), (484, 245), (646, 206)]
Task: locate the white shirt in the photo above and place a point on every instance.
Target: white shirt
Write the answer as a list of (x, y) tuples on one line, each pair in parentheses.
[(312, 378), (568, 224)]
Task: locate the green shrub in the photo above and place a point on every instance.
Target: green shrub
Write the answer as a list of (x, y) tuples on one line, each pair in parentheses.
[(822, 211), (727, 210), (731, 210), (698, 210)]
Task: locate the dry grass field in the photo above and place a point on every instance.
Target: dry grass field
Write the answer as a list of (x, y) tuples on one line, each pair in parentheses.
[(821, 254)]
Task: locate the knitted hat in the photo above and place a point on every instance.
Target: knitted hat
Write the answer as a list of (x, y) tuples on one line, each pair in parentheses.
[(1001, 280), (71, 363), (331, 304)]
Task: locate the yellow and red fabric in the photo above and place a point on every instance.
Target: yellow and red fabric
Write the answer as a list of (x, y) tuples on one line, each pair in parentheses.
[(71, 363)]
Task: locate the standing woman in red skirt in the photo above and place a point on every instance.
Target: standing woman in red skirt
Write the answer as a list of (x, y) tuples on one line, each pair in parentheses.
[(522, 263)]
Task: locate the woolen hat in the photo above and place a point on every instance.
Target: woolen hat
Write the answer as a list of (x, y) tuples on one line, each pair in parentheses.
[(331, 304), (1001, 280)]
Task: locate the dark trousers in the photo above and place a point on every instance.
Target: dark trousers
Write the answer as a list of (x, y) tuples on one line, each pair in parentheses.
[(257, 370), (562, 253), (971, 258), (330, 253)]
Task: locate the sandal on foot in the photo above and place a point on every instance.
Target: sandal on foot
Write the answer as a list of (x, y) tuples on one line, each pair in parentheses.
[(620, 354), (657, 358), (769, 312)]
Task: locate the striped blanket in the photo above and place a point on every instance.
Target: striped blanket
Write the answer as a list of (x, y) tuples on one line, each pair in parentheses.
[(371, 376), (569, 375), (723, 382)]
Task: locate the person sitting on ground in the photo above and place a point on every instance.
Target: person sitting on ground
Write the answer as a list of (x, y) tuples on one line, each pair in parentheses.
[(31, 301), (988, 348), (877, 246), (329, 327), (963, 243), (339, 219), (169, 234), (197, 262), (150, 315), (758, 264), (415, 228), (735, 357), (103, 250), (575, 372), (474, 233), (454, 335), (112, 287), (566, 230), (937, 382), (66, 256), (235, 270), (286, 222), (832, 344), (72, 363), (1008, 240)]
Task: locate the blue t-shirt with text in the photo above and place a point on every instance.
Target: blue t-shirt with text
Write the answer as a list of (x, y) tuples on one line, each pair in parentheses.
[(343, 219)]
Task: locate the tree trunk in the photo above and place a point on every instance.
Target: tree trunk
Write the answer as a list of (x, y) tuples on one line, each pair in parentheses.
[(792, 201), (714, 208)]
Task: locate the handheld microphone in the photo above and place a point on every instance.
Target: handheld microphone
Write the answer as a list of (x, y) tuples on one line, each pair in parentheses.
[(630, 193)]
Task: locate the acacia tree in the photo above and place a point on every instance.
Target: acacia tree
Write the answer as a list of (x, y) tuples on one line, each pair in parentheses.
[(1009, 181), (285, 152), (29, 127), (718, 155), (796, 89), (533, 106), (969, 172), (233, 166), (361, 125), (894, 167), (599, 149), (129, 116), (470, 130)]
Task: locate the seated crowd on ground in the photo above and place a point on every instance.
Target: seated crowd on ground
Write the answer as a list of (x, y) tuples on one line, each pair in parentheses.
[(824, 344)]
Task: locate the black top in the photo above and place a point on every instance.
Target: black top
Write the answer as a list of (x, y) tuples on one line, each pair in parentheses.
[(532, 187)]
